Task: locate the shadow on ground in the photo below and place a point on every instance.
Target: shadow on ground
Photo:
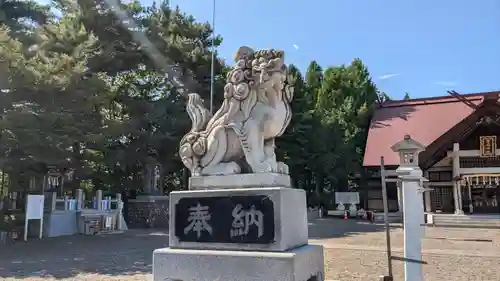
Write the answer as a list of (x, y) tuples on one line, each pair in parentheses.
[(335, 227), (119, 255), (65, 257)]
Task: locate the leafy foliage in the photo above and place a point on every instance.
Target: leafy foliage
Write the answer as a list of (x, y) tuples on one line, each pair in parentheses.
[(332, 111), (93, 92), (101, 90)]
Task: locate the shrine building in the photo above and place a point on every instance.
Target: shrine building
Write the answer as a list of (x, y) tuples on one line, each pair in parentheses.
[(461, 160)]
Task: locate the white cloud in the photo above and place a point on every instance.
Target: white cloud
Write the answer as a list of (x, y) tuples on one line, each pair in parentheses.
[(295, 46), (446, 83), (387, 76)]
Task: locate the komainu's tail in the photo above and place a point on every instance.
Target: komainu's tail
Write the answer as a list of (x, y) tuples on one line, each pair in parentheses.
[(197, 112), (193, 144)]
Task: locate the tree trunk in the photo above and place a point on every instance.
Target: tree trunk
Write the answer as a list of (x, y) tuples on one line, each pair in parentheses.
[(3, 181), (319, 187), (161, 182), (147, 180), (78, 166)]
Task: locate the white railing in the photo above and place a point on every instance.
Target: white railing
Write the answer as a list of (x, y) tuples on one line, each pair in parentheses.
[(97, 203), (77, 203), (69, 204)]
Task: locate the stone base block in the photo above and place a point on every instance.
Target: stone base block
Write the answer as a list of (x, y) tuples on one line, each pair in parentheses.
[(302, 264), (148, 211), (290, 217), (239, 181)]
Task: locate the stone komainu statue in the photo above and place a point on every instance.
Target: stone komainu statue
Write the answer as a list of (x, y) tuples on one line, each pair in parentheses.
[(240, 136)]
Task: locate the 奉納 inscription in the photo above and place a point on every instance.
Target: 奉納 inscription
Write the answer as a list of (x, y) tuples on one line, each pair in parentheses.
[(244, 219), (198, 217), (231, 219)]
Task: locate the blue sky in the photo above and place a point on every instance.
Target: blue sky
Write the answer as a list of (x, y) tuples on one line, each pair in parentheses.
[(423, 47)]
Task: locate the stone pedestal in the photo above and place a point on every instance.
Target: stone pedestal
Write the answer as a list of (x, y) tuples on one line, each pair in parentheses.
[(300, 264), (249, 231), (413, 223)]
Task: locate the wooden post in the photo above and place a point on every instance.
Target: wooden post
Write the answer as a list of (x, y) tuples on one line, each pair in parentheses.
[(457, 196), (44, 182), (386, 218), (364, 188), (98, 199), (53, 201), (66, 203), (13, 203), (79, 199), (119, 208), (62, 184), (32, 184)]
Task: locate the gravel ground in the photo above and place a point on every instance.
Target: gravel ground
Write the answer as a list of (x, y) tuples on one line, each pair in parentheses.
[(353, 251), (366, 265)]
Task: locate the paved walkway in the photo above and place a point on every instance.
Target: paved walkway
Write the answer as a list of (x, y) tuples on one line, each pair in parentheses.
[(353, 251)]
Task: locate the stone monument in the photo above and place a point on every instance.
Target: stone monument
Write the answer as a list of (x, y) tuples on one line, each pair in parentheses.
[(241, 219)]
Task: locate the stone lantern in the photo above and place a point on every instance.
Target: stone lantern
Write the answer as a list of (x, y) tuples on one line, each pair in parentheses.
[(410, 175), (408, 150)]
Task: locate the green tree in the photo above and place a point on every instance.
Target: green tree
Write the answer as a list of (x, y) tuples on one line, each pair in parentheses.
[(53, 111), (171, 43), (313, 80), (344, 105), (383, 97), (102, 91), (21, 16), (153, 60), (406, 96), (293, 145)]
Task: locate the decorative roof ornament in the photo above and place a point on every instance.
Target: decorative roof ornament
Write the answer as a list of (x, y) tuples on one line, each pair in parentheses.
[(487, 97)]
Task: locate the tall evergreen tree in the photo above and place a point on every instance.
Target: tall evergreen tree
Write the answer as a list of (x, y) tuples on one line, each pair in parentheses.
[(345, 103), (21, 16), (99, 91), (53, 110)]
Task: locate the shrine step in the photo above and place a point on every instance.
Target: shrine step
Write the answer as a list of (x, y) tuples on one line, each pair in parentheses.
[(480, 221), (394, 217)]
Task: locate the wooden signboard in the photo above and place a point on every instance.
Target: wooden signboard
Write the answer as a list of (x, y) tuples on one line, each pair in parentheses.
[(488, 146), (34, 211)]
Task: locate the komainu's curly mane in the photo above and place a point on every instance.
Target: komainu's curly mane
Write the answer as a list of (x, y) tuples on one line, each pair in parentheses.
[(255, 88)]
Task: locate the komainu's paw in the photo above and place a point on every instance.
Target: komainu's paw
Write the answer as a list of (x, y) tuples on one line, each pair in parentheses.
[(263, 167), (283, 168), (222, 169)]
